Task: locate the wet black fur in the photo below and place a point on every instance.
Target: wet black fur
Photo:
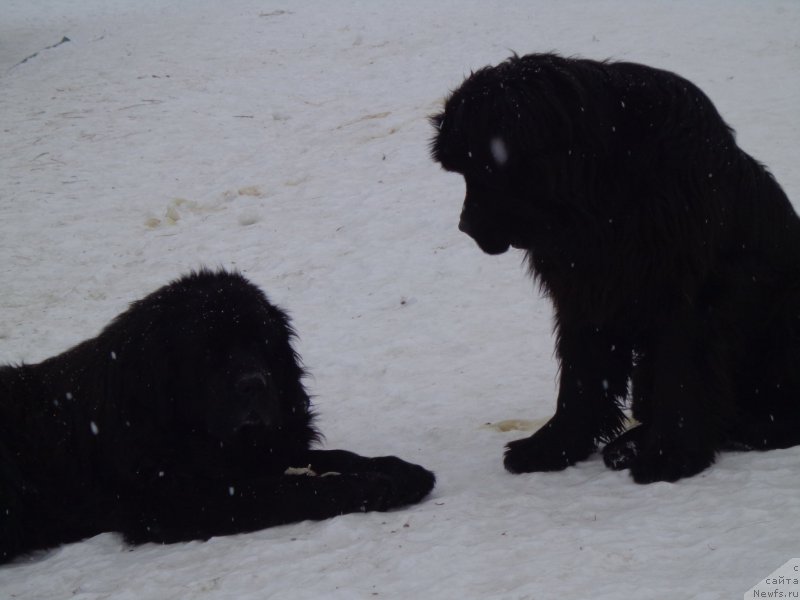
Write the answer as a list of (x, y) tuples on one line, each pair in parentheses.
[(177, 422), (671, 256)]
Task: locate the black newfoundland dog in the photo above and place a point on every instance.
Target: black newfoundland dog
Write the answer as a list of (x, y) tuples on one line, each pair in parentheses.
[(184, 419), (671, 256)]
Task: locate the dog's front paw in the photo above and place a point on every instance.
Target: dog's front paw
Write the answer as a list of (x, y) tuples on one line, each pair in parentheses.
[(620, 453), (553, 448), (664, 459), (409, 483)]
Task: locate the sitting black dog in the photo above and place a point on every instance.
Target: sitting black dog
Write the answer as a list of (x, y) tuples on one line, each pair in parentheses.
[(672, 258), (178, 422)]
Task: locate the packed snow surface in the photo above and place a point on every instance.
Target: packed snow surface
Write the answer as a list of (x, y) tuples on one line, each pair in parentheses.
[(289, 140)]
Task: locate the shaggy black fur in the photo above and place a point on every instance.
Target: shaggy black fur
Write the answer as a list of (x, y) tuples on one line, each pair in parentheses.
[(671, 256), (177, 422)]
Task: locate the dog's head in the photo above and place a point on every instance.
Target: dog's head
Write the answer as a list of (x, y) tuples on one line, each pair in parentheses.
[(218, 359), (519, 133)]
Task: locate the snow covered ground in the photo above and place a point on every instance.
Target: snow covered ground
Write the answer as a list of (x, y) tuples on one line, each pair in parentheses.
[(289, 140)]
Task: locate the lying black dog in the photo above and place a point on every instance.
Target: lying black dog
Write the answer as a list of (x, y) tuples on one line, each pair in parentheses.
[(672, 258), (178, 422)]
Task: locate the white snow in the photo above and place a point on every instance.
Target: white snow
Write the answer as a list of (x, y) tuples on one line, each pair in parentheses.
[(123, 155)]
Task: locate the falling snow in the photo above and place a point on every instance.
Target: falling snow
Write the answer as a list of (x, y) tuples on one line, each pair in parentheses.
[(499, 151)]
